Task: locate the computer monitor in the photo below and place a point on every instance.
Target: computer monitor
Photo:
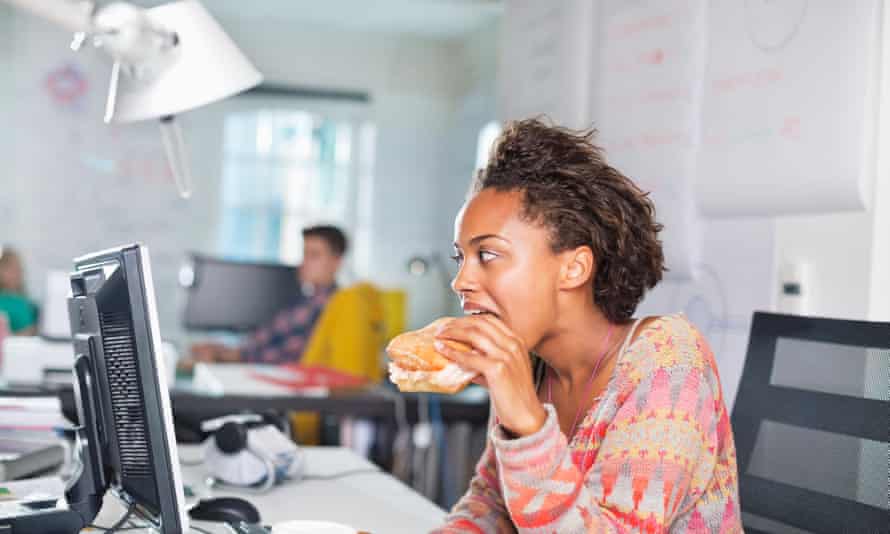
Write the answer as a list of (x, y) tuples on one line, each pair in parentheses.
[(125, 441), (234, 295), (115, 326)]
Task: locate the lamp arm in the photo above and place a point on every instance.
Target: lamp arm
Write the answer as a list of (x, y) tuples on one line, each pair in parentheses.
[(73, 15)]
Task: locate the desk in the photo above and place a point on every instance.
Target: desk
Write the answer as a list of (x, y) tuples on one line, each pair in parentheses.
[(220, 389), (191, 404), (372, 402), (372, 500)]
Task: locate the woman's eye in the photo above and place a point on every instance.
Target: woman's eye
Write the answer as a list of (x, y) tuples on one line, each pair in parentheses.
[(457, 258), (486, 256)]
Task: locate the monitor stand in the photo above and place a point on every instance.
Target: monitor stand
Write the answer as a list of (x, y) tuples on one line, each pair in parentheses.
[(143, 522)]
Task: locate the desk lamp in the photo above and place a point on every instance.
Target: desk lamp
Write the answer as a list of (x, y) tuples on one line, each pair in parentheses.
[(166, 60)]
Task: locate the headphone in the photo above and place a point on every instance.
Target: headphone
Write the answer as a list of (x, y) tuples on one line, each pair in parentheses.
[(231, 435), (251, 450), (231, 438)]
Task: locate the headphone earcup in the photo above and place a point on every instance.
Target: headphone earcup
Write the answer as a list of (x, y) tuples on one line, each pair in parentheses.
[(275, 419), (231, 438)]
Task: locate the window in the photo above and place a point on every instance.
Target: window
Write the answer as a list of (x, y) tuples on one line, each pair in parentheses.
[(283, 170), (486, 138)]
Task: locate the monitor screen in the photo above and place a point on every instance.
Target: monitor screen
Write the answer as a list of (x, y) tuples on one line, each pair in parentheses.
[(113, 319), (236, 296)]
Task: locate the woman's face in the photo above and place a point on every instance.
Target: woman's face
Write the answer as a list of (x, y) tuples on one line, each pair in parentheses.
[(506, 266)]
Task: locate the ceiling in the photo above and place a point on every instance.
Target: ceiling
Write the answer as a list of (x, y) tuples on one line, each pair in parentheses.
[(437, 19)]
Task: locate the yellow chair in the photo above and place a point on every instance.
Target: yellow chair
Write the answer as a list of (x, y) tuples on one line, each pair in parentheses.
[(394, 302), (348, 337)]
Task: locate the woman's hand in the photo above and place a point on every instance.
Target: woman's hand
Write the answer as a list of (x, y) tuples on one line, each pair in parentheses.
[(503, 362)]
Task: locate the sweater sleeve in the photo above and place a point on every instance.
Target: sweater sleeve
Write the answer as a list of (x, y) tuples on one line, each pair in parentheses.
[(653, 461), (481, 510)]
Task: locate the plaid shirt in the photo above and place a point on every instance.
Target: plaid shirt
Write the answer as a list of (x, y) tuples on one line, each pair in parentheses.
[(284, 339)]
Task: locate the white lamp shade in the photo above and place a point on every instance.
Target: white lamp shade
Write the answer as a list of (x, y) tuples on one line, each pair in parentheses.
[(204, 67)]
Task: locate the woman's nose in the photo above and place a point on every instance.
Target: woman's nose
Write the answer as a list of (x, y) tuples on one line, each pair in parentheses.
[(464, 280)]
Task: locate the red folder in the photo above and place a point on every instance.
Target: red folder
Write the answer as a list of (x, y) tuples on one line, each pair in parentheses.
[(302, 377)]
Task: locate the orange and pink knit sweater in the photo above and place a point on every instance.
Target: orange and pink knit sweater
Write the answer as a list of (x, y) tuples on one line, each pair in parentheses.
[(654, 453)]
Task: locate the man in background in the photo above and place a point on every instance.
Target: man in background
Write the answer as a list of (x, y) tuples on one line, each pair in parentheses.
[(284, 338)]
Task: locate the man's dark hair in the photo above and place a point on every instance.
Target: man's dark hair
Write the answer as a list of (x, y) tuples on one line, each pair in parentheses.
[(568, 187), (333, 236)]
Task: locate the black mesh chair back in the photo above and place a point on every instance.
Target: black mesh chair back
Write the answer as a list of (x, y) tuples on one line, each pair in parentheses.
[(812, 424)]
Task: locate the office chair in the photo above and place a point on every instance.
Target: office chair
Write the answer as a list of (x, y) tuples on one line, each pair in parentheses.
[(348, 337), (812, 424)]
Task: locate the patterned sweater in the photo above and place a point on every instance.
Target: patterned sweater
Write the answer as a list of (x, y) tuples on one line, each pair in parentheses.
[(654, 453)]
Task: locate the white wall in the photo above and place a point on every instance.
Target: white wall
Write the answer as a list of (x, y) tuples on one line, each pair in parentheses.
[(474, 108), (879, 297), (848, 254), (415, 85), (879, 308), (7, 53), (837, 250)]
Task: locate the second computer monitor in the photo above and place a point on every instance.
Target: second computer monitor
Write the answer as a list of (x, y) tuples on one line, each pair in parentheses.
[(235, 295)]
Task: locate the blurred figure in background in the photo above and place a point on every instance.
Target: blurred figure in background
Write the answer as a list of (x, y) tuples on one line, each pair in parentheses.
[(20, 311), (285, 338)]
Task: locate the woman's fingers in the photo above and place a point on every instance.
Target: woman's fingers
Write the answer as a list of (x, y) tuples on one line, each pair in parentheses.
[(476, 340), (480, 381), (473, 360), (479, 334), (498, 324)]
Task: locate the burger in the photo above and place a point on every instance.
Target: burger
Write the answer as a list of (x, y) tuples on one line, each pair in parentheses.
[(417, 366)]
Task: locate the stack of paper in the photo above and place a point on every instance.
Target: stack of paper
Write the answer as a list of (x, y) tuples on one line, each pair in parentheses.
[(20, 415), (27, 358), (241, 379)]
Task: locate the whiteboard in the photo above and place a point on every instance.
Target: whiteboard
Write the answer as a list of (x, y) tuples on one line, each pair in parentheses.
[(649, 77), (545, 60), (789, 107)]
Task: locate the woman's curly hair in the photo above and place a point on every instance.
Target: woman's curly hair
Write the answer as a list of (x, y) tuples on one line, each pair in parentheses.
[(568, 186)]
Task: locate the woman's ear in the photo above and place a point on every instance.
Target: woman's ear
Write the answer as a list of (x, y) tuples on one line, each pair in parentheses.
[(578, 267)]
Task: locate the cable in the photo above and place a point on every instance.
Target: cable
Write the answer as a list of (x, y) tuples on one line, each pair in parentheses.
[(122, 521), (401, 444), (436, 461), (398, 401), (119, 526), (421, 437), (434, 420), (349, 472), (198, 529), (192, 462)]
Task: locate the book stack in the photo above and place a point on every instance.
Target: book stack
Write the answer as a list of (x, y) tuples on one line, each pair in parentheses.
[(22, 458), (30, 436)]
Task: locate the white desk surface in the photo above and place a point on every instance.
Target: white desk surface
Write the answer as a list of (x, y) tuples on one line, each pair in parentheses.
[(374, 502)]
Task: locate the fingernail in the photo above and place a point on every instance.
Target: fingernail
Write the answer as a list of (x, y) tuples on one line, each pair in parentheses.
[(438, 345)]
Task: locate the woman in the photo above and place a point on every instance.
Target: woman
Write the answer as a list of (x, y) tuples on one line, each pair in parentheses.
[(614, 424), (20, 312)]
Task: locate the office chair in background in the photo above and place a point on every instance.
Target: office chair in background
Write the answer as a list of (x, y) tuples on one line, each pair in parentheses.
[(811, 426)]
